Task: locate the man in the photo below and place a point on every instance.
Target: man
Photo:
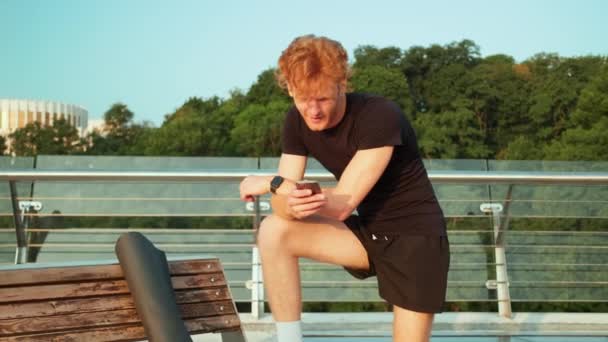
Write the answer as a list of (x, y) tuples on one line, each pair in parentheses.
[(365, 141)]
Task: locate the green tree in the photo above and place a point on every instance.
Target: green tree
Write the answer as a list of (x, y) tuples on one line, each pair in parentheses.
[(181, 136), (368, 55), (33, 139), (428, 81), (265, 90), (556, 86), (197, 106), (257, 129), (3, 146), (523, 148), (119, 134), (587, 138), (389, 83), (497, 93), (199, 127), (450, 135)]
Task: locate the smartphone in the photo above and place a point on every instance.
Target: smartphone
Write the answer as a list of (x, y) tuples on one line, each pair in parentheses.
[(309, 184)]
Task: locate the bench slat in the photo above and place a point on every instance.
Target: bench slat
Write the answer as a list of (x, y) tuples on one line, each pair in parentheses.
[(118, 333), (125, 301), (131, 333), (66, 322), (97, 272), (90, 289), (104, 318)]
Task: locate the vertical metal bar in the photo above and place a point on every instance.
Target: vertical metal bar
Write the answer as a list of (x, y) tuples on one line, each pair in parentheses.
[(257, 290), (502, 279), (21, 250), (257, 294)]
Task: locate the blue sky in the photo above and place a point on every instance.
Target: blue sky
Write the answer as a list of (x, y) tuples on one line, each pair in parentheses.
[(153, 55)]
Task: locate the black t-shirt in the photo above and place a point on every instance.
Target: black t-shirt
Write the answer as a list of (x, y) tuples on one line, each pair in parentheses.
[(402, 191)]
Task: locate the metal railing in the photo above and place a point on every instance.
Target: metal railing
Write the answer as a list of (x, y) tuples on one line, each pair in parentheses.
[(498, 209)]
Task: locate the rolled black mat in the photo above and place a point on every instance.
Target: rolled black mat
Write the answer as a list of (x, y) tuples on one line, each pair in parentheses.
[(147, 273)]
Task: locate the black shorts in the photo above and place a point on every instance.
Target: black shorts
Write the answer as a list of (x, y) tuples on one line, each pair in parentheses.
[(411, 269)]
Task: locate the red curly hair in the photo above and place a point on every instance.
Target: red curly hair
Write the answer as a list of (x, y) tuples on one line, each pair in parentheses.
[(310, 58)]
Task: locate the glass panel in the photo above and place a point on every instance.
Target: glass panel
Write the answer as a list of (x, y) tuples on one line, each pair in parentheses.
[(459, 200), (8, 238), (554, 201), (137, 198), (272, 163), (455, 164), (558, 265), (547, 165)]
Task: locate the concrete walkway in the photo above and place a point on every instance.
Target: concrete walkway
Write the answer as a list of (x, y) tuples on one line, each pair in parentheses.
[(448, 327)]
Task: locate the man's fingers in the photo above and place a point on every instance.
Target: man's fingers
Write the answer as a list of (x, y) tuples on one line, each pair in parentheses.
[(312, 206), (298, 198), (300, 193)]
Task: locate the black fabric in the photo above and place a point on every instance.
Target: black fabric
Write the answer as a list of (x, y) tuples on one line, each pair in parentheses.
[(412, 270), (147, 274), (403, 190)]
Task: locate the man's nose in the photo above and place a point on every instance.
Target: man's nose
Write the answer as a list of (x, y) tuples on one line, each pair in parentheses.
[(314, 106)]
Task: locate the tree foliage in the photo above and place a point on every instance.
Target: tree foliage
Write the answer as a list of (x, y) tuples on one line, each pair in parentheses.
[(33, 139), (461, 104)]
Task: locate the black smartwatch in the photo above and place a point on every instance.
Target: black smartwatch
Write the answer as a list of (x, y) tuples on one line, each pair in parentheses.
[(275, 183)]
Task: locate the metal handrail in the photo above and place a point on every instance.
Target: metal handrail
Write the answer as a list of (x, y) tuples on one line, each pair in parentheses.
[(501, 282), (474, 177)]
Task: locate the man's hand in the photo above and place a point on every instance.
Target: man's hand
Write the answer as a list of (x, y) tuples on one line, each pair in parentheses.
[(302, 203), (252, 186)]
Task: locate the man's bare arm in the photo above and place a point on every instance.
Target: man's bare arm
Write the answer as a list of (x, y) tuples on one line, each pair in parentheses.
[(359, 177)]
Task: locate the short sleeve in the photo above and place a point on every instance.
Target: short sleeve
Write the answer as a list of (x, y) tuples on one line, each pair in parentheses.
[(380, 124), (292, 135)]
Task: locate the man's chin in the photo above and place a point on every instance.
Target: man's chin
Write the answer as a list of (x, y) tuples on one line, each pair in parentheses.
[(316, 127)]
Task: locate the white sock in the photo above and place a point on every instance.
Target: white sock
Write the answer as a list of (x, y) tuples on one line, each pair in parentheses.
[(289, 331)]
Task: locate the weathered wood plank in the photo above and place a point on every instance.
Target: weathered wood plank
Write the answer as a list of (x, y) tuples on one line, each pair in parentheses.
[(60, 274), (70, 290), (58, 307), (130, 333), (90, 289), (116, 302), (202, 295), (67, 322), (212, 324), (195, 267), (97, 272), (196, 310), (198, 281), (104, 318), (117, 333)]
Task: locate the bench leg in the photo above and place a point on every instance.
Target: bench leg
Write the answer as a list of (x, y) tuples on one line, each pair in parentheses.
[(234, 336)]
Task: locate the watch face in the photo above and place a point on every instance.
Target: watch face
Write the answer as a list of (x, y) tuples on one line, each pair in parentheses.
[(275, 183)]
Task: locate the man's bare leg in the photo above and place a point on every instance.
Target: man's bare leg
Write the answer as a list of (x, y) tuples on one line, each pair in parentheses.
[(411, 326), (282, 242)]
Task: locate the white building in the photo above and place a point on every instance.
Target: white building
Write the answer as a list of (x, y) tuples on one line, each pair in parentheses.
[(15, 113), (96, 124)]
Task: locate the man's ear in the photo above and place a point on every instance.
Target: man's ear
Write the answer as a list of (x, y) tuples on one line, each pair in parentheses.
[(289, 91), (342, 87)]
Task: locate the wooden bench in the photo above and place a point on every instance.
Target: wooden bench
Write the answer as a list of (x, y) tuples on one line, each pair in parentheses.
[(92, 302)]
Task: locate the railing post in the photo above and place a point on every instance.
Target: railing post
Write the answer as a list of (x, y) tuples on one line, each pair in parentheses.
[(257, 289), (21, 250), (502, 278)]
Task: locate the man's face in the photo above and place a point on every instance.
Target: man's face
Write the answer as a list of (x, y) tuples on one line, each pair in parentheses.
[(322, 106)]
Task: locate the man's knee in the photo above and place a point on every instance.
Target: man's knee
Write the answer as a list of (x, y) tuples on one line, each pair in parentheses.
[(273, 233)]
